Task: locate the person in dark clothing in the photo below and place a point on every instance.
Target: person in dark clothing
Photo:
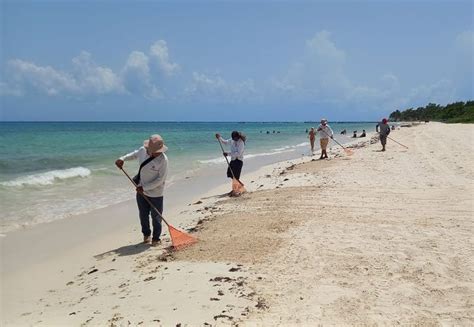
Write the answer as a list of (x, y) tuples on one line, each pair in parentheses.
[(383, 129)]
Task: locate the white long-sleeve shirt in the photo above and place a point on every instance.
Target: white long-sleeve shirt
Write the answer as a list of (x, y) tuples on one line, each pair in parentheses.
[(236, 148), (325, 132), (153, 174)]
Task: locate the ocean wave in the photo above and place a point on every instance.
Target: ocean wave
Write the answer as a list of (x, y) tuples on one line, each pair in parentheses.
[(49, 177), (255, 155), (292, 146), (213, 161)]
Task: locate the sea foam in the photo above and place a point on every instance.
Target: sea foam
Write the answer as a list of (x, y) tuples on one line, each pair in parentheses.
[(49, 177), (285, 149)]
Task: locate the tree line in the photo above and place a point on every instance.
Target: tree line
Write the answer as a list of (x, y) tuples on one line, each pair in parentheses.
[(457, 112)]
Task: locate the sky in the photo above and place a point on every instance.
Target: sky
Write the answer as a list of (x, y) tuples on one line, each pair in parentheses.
[(231, 60)]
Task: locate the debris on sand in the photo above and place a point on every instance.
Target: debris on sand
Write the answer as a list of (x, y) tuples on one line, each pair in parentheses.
[(261, 304), (223, 316)]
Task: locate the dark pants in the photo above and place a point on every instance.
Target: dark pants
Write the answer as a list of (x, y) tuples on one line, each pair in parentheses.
[(144, 210), (236, 166), (383, 139)]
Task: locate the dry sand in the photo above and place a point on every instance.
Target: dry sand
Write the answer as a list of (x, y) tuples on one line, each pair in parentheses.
[(373, 238)]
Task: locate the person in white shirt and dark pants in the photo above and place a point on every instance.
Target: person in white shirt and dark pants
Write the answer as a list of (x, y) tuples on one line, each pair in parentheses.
[(237, 147), (150, 182)]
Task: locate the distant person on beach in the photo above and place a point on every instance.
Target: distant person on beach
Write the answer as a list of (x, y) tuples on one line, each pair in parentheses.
[(325, 132), (383, 129), (312, 137), (344, 132), (151, 183), (237, 147), (354, 135), (363, 133)]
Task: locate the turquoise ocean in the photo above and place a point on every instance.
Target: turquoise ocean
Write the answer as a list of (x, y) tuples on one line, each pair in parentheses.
[(52, 170)]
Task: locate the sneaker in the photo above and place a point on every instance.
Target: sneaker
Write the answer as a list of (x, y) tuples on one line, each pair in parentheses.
[(155, 242), (147, 239)]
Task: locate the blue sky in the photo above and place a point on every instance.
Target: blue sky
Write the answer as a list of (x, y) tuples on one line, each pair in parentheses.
[(231, 61)]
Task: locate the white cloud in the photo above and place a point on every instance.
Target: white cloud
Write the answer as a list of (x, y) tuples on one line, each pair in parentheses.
[(25, 76), (441, 92), (323, 48), (320, 76), (137, 78), (159, 53), (137, 62), (86, 78), (216, 89), (94, 79)]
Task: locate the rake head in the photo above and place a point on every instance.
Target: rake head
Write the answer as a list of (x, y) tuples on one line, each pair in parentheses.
[(349, 152), (237, 187), (180, 239)]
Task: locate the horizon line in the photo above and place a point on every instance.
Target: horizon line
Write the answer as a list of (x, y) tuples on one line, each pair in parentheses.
[(181, 121)]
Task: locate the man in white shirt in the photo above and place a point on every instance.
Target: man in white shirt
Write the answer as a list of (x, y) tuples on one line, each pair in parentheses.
[(150, 182), (325, 132)]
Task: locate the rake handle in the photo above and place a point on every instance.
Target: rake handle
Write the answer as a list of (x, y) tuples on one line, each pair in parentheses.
[(145, 197), (332, 138), (397, 142), (228, 163)]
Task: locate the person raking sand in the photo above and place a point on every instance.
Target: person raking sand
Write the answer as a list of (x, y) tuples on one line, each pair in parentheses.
[(237, 147), (150, 182), (325, 133)]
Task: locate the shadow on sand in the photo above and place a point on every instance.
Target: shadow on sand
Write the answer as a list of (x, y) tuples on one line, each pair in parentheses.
[(219, 196), (126, 250)]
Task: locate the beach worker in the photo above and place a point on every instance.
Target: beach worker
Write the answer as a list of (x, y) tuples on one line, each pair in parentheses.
[(363, 133), (312, 137), (237, 147), (325, 132), (150, 182), (383, 129), (354, 135)]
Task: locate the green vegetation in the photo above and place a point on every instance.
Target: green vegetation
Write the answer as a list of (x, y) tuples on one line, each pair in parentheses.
[(457, 112)]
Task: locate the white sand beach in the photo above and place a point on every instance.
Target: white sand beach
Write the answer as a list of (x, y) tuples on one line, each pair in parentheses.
[(374, 238)]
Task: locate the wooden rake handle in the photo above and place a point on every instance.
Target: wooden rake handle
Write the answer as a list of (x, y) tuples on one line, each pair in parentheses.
[(228, 163), (145, 197)]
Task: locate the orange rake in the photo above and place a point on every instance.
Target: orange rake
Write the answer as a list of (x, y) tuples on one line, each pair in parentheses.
[(348, 151), (179, 239), (237, 185)]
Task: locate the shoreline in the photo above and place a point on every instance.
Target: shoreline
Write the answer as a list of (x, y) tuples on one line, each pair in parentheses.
[(99, 231), (210, 168), (181, 194), (219, 280)]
